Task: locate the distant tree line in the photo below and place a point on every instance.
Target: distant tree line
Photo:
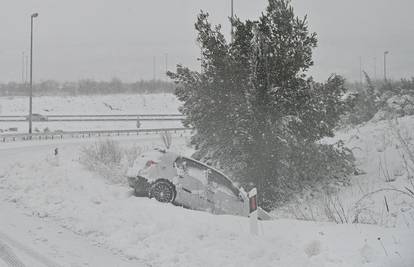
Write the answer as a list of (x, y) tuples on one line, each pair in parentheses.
[(87, 87)]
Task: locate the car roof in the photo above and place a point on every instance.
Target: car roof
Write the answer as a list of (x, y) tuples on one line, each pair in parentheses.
[(219, 172), (174, 156)]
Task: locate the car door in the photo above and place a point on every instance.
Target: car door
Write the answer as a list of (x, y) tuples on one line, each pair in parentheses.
[(191, 184), (225, 195)]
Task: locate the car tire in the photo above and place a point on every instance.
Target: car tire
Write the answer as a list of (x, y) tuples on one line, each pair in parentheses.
[(163, 191)]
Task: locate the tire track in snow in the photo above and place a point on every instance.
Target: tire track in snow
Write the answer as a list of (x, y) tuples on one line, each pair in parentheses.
[(8, 256)]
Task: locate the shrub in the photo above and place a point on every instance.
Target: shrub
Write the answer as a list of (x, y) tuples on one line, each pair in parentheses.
[(307, 167), (109, 159), (166, 138), (380, 100), (254, 109), (107, 152)]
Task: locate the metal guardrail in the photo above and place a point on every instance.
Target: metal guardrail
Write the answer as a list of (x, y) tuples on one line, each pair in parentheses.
[(97, 115), (85, 134), (92, 119), (118, 117)]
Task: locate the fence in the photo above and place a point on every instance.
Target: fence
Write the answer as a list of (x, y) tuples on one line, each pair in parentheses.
[(85, 134), (118, 117)]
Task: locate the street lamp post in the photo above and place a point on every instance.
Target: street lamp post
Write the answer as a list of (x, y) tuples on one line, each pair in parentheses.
[(166, 65), (232, 17), (23, 70), (34, 15), (385, 65)]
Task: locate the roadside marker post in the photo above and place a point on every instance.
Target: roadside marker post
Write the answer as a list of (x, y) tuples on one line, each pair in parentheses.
[(254, 224)]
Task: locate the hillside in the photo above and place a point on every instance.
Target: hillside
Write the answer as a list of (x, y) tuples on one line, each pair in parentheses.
[(62, 192), (381, 192)]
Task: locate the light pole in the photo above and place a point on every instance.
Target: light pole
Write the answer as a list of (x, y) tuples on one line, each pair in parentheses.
[(166, 64), (232, 17), (153, 68), (34, 15), (23, 70), (360, 71), (385, 65)]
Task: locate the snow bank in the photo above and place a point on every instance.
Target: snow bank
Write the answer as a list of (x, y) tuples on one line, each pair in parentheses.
[(384, 167), (61, 191)]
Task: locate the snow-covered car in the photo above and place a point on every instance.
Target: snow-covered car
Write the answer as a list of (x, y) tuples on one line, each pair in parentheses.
[(169, 177), (37, 117)]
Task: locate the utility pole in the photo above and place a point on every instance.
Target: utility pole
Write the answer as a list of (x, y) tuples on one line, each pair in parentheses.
[(375, 68), (166, 64), (232, 17), (27, 68), (23, 67), (360, 70), (34, 15), (153, 68), (385, 65)]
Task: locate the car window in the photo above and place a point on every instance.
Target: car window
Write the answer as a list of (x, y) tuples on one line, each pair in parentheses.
[(188, 162), (198, 171), (224, 184), (193, 169)]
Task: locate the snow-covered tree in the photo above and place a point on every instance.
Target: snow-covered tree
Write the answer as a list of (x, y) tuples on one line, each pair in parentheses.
[(254, 110)]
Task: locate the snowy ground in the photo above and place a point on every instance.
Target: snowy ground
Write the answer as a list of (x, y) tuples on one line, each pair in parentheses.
[(30, 240), (101, 215), (96, 104), (117, 104), (43, 233), (385, 167)]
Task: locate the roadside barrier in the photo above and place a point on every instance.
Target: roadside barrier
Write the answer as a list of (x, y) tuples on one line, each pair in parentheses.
[(86, 134)]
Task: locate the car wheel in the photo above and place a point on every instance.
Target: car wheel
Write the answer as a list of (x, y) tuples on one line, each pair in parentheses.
[(163, 191)]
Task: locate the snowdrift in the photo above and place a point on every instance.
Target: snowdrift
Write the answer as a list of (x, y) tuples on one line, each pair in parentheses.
[(59, 190)]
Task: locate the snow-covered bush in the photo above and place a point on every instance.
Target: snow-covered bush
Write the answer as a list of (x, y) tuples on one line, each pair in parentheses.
[(166, 138), (107, 152), (109, 159), (255, 111), (382, 192), (309, 166), (380, 100)]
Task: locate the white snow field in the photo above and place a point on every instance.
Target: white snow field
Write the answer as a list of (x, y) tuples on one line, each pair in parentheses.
[(31, 229), (387, 168), (93, 104), (92, 210), (116, 104)]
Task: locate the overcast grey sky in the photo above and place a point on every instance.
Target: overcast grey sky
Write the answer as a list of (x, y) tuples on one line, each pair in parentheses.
[(102, 39)]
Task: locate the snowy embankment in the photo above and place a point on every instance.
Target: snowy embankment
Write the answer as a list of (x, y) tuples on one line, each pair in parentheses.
[(117, 104), (383, 191), (62, 192)]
